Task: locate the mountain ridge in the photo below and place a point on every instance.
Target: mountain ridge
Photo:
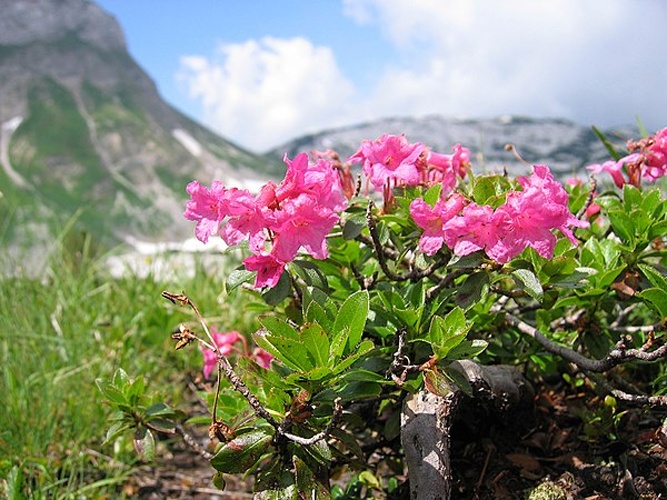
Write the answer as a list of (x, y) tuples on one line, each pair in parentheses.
[(562, 144), (85, 132)]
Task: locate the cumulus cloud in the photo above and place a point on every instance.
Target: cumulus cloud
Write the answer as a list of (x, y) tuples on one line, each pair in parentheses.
[(263, 92), (593, 61), (596, 62)]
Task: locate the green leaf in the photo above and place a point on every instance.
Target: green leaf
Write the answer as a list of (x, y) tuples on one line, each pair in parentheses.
[(353, 226), (241, 453), (364, 347), (607, 144), (446, 333), (111, 393), (578, 278), (459, 379), (623, 226), (317, 314), (315, 340), (289, 351), (657, 297), (349, 324), (472, 289), (116, 430), (529, 283), (432, 195), (310, 274), (144, 444), (656, 278), (274, 296), (279, 327), (237, 278), (219, 481), (307, 482), (468, 349), (436, 383)]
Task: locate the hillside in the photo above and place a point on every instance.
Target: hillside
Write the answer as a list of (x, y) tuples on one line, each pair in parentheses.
[(83, 128)]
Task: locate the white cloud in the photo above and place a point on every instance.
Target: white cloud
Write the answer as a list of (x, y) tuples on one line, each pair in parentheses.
[(266, 91), (596, 62)]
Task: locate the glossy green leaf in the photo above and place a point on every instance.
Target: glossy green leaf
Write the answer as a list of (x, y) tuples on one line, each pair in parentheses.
[(317, 314), (279, 327), (144, 444), (623, 226), (468, 349), (349, 324), (316, 342), (310, 274), (238, 277), (471, 291), (241, 453), (274, 296), (657, 297), (459, 379), (529, 282), (656, 278)]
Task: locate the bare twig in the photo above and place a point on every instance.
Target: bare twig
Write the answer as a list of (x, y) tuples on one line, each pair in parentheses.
[(335, 420), (616, 356), (382, 253), (400, 366), (626, 396), (589, 199)]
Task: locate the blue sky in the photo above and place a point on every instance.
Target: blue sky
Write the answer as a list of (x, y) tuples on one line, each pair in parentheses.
[(261, 72)]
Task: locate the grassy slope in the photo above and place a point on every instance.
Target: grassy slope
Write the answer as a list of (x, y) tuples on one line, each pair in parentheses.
[(57, 336)]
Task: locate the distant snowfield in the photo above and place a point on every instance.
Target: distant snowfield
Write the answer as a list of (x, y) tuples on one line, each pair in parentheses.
[(188, 142), (166, 261), (6, 132)]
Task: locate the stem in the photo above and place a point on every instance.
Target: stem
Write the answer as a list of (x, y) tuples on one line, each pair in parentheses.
[(616, 356)]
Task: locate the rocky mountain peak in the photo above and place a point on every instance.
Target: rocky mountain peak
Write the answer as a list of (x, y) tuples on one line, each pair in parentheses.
[(30, 21)]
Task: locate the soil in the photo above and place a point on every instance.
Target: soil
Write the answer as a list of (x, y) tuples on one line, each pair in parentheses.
[(564, 448)]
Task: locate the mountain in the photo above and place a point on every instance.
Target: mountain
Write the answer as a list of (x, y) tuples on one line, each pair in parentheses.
[(84, 129), (563, 145)]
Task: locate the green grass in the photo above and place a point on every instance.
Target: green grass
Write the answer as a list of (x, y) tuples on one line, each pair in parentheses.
[(60, 333)]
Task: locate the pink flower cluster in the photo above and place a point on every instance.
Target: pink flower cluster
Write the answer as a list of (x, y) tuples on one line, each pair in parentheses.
[(279, 221), (225, 343), (527, 218), (647, 159), (392, 161)]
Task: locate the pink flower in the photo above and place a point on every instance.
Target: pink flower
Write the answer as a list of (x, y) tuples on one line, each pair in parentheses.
[(207, 207), (224, 341), (651, 154), (432, 220), (444, 168), (319, 180), (389, 159), (298, 213), (262, 357), (268, 269), (302, 222), (477, 228), (535, 211), (613, 168), (526, 219)]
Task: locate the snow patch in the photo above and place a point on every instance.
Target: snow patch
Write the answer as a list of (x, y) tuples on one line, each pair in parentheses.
[(188, 142), (6, 132), (166, 260)]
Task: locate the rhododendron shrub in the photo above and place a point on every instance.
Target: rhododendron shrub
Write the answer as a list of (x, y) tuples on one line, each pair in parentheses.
[(366, 306)]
